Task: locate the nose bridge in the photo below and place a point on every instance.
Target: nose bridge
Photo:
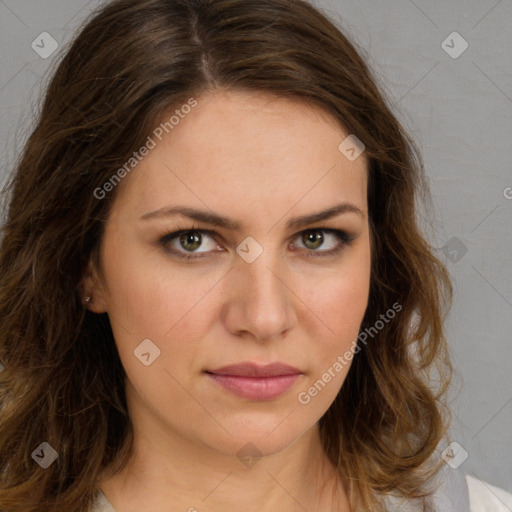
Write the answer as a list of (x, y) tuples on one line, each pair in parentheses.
[(262, 278), (263, 300)]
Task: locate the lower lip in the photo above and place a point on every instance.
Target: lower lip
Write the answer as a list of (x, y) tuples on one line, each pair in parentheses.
[(256, 388)]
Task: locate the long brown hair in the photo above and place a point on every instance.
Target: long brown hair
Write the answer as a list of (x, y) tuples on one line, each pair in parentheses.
[(63, 381)]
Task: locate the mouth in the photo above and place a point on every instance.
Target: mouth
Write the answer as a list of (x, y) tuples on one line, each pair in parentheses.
[(255, 382)]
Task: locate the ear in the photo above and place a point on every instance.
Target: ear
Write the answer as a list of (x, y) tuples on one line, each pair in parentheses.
[(92, 286)]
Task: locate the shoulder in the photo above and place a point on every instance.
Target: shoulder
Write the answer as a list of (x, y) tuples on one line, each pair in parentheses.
[(484, 497), (457, 492)]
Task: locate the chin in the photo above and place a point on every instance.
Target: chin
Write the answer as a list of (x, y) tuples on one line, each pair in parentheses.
[(257, 439)]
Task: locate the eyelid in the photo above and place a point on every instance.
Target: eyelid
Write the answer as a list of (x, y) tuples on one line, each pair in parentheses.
[(166, 239), (344, 236)]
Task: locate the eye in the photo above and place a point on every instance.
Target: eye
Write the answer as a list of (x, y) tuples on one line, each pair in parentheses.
[(188, 241), (313, 239), (184, 243)]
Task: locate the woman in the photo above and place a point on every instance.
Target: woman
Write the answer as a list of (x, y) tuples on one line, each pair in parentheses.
[(214, 291)]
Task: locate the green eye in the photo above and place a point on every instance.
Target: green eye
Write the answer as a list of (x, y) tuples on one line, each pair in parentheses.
[(190, 240), (185, 243), (313, 239)]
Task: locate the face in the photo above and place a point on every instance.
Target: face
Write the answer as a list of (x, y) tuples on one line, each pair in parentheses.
[(253, 280)]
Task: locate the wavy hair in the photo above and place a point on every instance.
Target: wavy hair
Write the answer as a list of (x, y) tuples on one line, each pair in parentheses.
[(63, 381)]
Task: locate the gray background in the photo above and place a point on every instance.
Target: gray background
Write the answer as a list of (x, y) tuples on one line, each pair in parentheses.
[(459, 110)]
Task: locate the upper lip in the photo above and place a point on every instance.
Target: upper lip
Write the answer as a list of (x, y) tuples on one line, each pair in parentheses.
[(256, 370)]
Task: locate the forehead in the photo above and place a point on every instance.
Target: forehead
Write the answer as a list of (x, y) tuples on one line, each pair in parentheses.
[(247, 149)]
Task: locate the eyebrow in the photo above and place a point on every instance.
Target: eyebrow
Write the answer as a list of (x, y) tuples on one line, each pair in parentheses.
[(224, 222)]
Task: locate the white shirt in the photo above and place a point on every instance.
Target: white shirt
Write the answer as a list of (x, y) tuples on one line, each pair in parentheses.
[(460, 490), (484, 497)]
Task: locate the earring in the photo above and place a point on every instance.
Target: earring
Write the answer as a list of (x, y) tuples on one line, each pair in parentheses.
[(88, 300)]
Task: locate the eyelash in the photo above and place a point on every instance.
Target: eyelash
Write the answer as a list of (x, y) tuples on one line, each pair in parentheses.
[(344, 238)]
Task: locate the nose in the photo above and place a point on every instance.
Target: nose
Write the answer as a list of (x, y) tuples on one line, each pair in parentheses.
[(260, 304)]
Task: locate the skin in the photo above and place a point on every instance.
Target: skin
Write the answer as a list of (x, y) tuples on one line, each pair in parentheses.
[(260, 161)]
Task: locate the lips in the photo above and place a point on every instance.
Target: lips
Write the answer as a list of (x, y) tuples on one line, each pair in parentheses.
[(256, 382), (255, 370)]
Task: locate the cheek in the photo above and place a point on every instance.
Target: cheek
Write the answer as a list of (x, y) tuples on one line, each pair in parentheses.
[(339, 300), (153, 300), (160, 304), (339, 308)]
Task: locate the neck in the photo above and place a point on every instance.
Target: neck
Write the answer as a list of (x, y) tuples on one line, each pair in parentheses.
[(168, 473)]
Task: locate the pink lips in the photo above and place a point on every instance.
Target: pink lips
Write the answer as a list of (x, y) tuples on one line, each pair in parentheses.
[(255, 382)]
